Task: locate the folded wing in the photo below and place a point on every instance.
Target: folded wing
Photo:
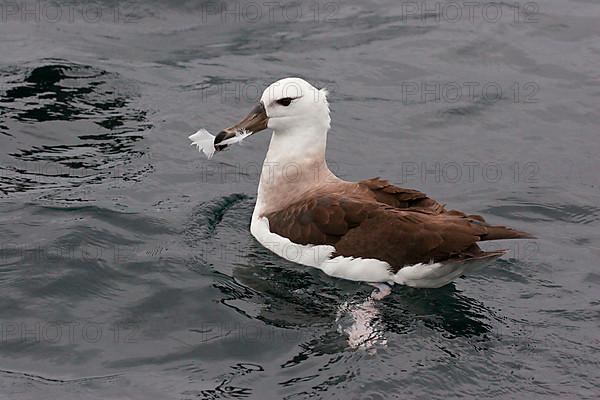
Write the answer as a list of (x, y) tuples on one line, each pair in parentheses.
[(421, 232)]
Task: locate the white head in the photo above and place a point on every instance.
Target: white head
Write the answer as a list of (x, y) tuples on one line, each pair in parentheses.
[(293, 103), (297, 112)]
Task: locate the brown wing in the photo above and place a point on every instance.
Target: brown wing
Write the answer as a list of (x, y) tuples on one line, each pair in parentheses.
[(369, 229), (399, 197), (410, 199)]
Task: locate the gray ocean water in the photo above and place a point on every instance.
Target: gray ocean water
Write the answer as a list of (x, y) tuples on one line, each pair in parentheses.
[(127, 270)]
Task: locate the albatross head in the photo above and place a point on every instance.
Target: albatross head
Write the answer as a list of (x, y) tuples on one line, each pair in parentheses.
[(297, 112)]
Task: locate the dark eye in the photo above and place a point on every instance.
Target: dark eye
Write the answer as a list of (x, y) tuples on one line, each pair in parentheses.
[(286, 101)]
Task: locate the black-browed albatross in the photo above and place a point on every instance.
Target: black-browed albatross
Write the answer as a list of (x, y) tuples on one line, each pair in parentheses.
[(369, 231)]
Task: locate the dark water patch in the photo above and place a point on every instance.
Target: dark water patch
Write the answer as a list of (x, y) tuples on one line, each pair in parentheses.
[(490, 51), (233, 290), (545, 212), (95, 107), (44, 351), (206, 217), (210, 82), (574, 315), (61, 90), (125, 221), (509, 270), (455, 114), (225, 390), (11, 306), (593, 278), (168, 311), (53, 381), (462, 112), (445, 311), (272, 38), (73, 281)]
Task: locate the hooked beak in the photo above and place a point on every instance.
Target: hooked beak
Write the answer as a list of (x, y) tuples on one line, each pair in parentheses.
[(254, 122)]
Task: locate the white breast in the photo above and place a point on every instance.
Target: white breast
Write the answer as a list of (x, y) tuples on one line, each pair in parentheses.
[(313, 256)]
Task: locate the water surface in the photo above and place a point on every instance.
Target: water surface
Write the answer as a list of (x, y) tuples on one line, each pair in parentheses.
[(127, 267)]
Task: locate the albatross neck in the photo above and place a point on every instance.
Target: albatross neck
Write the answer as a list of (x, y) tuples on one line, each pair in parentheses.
[(294, 166)]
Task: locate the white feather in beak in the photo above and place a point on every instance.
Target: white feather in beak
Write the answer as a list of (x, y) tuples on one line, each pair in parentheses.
[(205, 141)]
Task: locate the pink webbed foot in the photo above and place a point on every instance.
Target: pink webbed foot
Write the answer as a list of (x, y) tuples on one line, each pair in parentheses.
[(381, 290)]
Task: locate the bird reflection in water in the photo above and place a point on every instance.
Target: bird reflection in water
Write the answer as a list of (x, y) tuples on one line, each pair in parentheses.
[(361, 323)]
